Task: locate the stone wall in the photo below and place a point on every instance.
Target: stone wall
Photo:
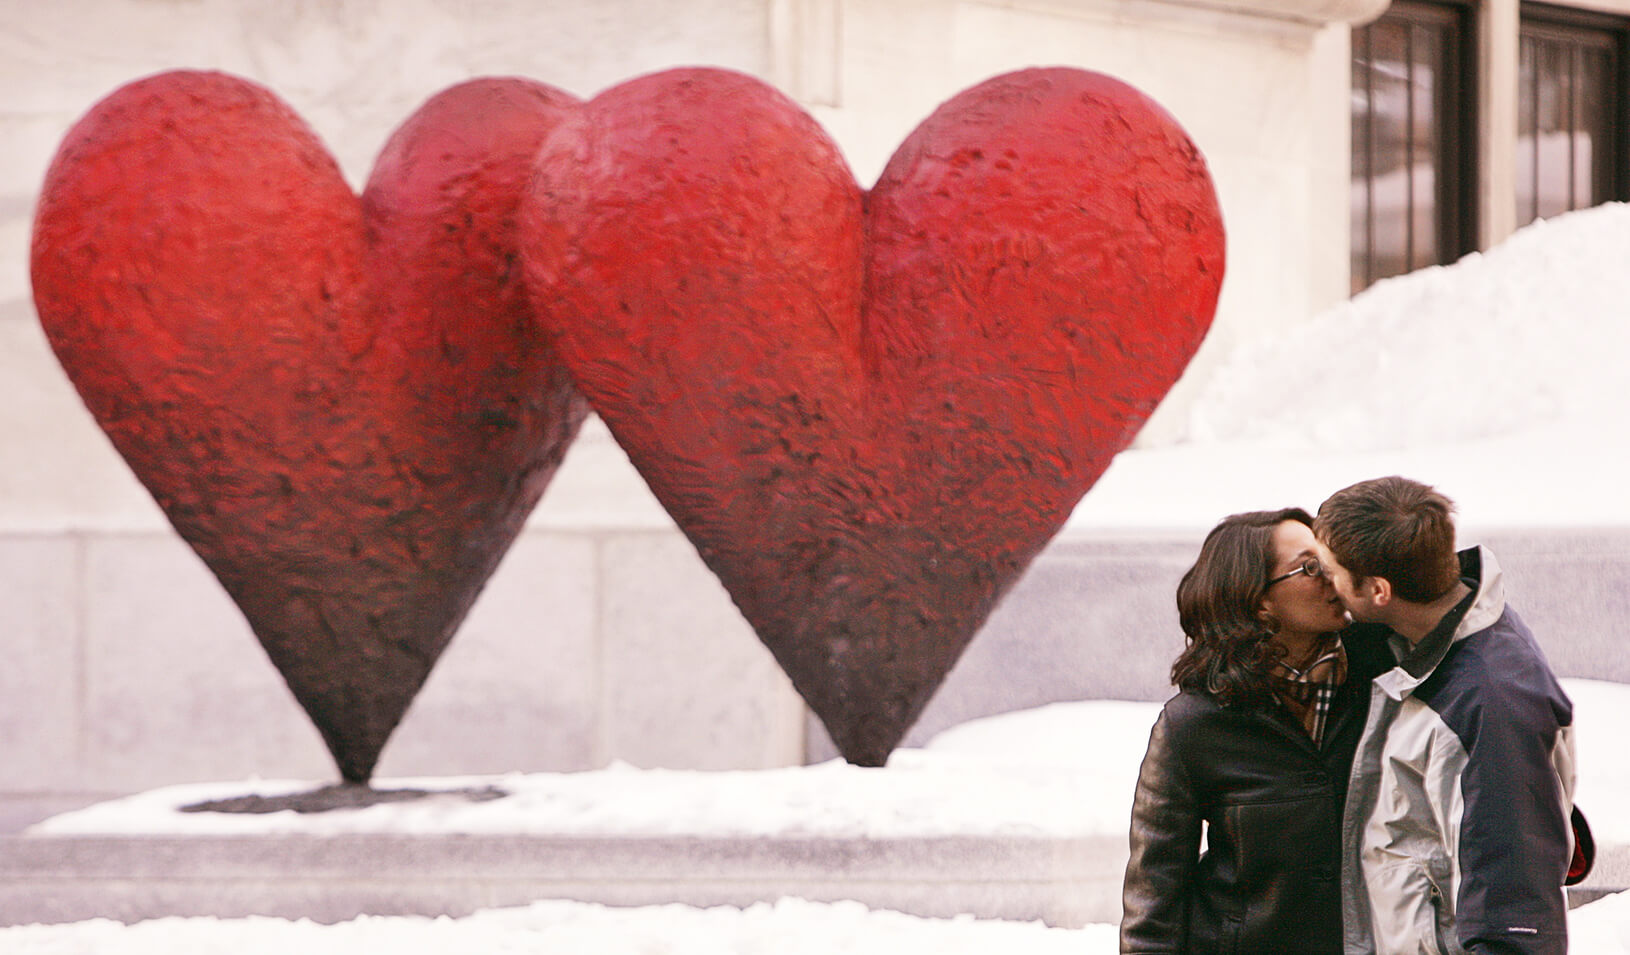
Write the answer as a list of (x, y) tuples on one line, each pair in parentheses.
[(131, 669), (602, 636)]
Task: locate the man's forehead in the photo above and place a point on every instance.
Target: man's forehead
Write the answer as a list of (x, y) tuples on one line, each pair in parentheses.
[(1326, 557)]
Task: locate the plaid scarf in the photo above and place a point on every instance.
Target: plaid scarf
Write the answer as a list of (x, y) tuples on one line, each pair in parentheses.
[(1309, 691)]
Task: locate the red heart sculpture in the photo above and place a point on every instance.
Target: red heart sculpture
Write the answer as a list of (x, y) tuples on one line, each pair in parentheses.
[(341, 404), (869, 412)]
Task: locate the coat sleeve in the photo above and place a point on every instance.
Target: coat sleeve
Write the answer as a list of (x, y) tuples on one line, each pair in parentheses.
[(1515, 842), (1165, 844)]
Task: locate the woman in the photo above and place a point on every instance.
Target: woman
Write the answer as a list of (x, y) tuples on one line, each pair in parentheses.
[(1236, 822)]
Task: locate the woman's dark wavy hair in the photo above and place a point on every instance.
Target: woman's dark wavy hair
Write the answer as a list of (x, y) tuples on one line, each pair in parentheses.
[(1219, 603)]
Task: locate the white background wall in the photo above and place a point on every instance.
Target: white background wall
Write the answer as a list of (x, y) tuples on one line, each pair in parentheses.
[(602, 636)]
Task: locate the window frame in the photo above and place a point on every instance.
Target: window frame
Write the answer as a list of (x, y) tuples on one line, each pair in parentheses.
[(1456, 94), (1569, 25)]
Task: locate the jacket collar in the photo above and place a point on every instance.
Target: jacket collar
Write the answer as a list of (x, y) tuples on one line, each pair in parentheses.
[(1478, 611)]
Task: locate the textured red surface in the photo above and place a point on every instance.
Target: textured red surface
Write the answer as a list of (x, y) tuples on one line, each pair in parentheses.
[(340, 403), (870, 411)]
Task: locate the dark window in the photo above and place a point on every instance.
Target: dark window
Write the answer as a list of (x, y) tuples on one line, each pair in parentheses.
[(1414, 183), (1569, 149)]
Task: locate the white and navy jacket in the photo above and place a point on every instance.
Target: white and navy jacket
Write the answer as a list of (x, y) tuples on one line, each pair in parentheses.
[(1455, 832)]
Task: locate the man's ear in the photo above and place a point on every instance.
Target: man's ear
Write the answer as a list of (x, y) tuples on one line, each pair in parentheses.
[(1380, 591)]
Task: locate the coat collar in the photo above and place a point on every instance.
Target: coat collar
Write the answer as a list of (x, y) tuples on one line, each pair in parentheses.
[(1483, 606)]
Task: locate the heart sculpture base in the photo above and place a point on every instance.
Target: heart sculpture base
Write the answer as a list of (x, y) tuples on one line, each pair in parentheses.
[(342, 796)]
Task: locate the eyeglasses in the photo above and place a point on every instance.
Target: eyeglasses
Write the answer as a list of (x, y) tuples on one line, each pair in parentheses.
[(1310, 567)]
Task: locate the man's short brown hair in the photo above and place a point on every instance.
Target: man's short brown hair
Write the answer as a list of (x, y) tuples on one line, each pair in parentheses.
[(1394, 528)]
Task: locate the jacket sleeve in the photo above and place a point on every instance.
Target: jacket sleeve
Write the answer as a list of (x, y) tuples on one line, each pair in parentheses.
[(1514, 842), (1165, 844)]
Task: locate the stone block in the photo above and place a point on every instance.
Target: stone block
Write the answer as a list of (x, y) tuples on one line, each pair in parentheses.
[(517, 689), (176, 686), (1065, 882), (1572, 588), (41, 679), (60, 469), (686, 681), (597, 488)]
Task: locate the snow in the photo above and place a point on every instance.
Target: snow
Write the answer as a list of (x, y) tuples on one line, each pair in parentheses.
[(1063, 769), (1019, 773), (788, 927), (1475, 377)]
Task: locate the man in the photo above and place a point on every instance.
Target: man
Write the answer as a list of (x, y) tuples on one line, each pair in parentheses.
[(1456, 834)]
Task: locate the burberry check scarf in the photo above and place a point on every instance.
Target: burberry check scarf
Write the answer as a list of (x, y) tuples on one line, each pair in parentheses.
[(1309, 691)]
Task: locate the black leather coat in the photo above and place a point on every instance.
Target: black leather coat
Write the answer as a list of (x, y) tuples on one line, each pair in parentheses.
[(1269, 881)]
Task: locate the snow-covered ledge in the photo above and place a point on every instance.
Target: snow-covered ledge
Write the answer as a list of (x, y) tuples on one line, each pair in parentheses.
[(1314, 14)]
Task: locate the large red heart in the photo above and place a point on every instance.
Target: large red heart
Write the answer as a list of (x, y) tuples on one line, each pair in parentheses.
[(869, 412), (341, 404)]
